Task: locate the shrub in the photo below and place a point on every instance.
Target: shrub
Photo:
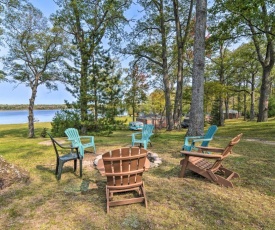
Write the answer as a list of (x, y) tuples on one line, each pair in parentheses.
[(71, 119), (43, 133), (104, 126), (63, 120)]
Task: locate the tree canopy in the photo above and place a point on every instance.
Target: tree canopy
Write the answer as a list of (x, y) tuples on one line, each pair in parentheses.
[(190, 57)]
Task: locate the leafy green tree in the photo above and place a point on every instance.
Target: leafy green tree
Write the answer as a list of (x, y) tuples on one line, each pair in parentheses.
[(112, 96), (106, 86), (271, 111), (87, 22), (157, 102), (245, 75), (253, 19), (215, 113), (220, 67), (5, 4), (136, 87), (213, 90), (150, 43), (35, 50)]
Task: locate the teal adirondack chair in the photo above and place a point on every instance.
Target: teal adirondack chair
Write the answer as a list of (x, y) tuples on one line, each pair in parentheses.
[(189, 142), (74, 137), (143, 137)]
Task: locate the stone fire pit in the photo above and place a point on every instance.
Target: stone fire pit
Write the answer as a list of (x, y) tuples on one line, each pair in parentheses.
[(153, 160)]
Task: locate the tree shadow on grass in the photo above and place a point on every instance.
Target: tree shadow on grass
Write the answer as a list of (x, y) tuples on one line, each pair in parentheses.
[(15, 133), (51, 169)]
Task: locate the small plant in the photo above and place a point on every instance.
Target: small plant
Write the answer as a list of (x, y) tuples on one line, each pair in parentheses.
[(43, 133)]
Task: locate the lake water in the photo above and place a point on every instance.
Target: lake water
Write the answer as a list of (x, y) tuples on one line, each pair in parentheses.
[(21, 116)]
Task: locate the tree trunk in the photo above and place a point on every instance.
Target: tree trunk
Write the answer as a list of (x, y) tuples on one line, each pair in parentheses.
[(222, 81), (252, 99), (265, 89), (221, 117), (96, 103), (226, 103), (31, 115), (133, 107), (196, 126), (178, 98), (83, 90), (166, 80), (180, 45), (244, 106)]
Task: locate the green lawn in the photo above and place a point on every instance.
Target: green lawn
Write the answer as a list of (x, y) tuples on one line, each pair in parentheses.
[(173, 203)]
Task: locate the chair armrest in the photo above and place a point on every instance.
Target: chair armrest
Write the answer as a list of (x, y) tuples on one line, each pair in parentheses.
[(134, 134), (86, 136), (186, 139), (202, 139), (202, 155), (70, 139), (211, 149), (92, 140), (194, 137), (68, 147)]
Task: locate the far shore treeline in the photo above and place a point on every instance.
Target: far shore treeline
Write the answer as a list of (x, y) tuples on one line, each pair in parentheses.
[(36, 107)]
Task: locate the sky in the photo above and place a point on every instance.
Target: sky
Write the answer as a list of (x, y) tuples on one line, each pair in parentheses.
[(19, 94)]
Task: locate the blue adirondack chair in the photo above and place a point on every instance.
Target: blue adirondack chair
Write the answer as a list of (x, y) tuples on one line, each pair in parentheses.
[(143, 137), (189, 142), (74, 137)]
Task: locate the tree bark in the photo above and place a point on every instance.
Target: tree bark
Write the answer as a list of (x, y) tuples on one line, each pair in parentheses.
[(252, 99), (196, 126), (31, 114), (244, 106), (265, 89), (180, 45), (166, 80)]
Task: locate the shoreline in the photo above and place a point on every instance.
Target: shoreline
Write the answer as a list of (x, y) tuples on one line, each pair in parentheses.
[(26, 123), (7, 107)]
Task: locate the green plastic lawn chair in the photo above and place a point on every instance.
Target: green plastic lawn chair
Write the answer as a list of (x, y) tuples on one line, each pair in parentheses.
[(189, 142), (143, 137), (74, 137), (72, 154)]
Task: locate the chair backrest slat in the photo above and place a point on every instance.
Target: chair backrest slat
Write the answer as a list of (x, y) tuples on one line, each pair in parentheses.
[(209, 135), (55, 144), (125, 166), (227, 151), (116, 167), (147, 131), (73, 135), (108, 168), (125, 161)]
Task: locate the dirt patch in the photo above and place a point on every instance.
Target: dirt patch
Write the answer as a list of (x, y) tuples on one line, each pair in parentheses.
[(11, 174), (49, 142), (261, 141)]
